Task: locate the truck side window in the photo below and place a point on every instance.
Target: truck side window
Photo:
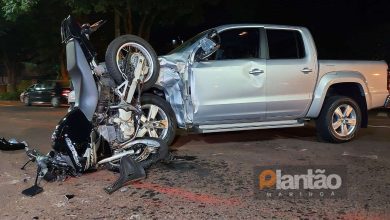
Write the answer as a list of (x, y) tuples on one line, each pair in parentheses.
[(285, 44), (241, 43)]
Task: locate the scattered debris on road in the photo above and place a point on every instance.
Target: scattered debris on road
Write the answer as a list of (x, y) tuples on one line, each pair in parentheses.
[(11, 145)]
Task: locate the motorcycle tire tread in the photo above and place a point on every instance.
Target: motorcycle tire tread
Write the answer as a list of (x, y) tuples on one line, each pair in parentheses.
[(112, 67)]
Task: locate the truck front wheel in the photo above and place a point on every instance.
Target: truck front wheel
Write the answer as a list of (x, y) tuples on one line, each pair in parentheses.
[(158, 119), (339, 120)]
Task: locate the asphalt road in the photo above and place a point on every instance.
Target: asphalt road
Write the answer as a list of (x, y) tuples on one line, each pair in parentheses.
[(215, 181)]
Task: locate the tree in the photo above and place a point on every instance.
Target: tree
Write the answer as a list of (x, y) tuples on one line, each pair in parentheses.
[(10, 56), (9, 38), (15, 8), (29, 29), (28, 36), (138, 16)]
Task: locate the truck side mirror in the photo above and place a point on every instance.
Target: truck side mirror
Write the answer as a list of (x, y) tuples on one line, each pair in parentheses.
[(208, 45)]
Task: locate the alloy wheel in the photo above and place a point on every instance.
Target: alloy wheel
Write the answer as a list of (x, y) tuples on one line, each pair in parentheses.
[(344, 120), (154, 122)]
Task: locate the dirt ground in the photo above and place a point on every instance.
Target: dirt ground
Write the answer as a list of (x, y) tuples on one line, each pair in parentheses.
[(214, 180)]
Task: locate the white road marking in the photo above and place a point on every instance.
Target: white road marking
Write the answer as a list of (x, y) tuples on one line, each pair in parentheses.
[(217, 154), (382, 114), (10, 182), (373, 156), (378, 126)]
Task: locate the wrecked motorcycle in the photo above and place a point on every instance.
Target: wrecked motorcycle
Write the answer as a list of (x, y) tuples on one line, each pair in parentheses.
[(102, 127)]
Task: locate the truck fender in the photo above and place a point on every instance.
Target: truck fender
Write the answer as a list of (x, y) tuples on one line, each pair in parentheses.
[(333, 78)]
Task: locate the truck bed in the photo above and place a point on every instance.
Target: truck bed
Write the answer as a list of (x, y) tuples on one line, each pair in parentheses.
[(374, 74)]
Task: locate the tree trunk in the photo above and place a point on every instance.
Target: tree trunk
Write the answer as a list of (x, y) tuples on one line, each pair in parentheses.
[(129, 19), (142, 25), (10, 70), (148, 27), (117, 23), (63, 70), (11, 86)]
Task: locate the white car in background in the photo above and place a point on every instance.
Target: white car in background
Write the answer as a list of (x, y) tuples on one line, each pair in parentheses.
[(71, 100)]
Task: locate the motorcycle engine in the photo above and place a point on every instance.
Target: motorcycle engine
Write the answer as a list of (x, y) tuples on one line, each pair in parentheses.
[(125, 124), (118, 125)]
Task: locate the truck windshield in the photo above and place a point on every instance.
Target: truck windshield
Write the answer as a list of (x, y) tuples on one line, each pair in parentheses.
[(188, 43)]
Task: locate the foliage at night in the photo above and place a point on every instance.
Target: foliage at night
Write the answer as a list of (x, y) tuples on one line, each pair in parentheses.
[(29, 29)]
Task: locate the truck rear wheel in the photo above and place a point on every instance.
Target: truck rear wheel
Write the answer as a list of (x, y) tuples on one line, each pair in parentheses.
[(339, 120)]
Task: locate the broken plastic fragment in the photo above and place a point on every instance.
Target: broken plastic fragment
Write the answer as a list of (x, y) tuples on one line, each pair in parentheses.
[(129, 170), (11, 145), (32, 191), (69, 196)]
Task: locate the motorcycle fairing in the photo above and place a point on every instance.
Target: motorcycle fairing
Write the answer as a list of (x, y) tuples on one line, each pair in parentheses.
[(129, 170), (86, 92), (72, 137)]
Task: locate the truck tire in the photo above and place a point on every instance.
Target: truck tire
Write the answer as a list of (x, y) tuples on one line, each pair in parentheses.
[(339, 120), (118, 49), (160, 121)]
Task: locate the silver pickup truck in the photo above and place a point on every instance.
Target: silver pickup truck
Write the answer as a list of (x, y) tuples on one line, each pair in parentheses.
[(242, 77)]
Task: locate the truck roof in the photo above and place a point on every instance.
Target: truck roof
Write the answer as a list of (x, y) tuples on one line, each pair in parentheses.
[(229, 26)]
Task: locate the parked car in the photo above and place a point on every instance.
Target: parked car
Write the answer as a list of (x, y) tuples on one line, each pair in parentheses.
[(242, 77), (47, 92)]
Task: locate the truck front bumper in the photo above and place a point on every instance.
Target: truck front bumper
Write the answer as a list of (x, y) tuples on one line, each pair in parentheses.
[(387, 102)]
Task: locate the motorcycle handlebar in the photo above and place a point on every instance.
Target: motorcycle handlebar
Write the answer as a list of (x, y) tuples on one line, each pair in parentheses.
[(97, 25), (88, 29)]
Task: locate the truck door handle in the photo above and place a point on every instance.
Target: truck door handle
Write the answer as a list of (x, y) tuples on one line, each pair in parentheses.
[(256, 71), (306, 70)]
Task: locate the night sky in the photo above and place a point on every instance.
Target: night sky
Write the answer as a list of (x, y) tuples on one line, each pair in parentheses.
[(342, 29)]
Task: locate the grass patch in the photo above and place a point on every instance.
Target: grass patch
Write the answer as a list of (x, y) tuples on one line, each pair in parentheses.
[(9, 96)]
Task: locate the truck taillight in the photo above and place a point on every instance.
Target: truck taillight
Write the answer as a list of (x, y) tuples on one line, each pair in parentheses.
[(388, 79), (65, 92)]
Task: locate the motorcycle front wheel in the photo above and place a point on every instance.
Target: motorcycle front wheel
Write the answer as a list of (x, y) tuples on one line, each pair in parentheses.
[(120, 51)]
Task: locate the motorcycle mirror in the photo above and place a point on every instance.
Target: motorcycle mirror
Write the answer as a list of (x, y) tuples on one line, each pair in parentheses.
[(97, 25)]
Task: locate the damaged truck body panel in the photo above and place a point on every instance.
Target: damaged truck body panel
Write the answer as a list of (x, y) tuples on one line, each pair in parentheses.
[(262, 76), (172, 79)]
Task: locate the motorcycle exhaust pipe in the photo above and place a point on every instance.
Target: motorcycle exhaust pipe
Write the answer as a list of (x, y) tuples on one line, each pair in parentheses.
[(148, 142), (116, 157), (125, 145)]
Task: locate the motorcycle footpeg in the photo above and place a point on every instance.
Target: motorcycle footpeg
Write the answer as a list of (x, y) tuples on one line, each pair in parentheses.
[(35, 189), (32, 191), (130, 171)]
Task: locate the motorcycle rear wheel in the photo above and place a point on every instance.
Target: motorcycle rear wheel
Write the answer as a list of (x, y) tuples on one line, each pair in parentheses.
[(125, 45)]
